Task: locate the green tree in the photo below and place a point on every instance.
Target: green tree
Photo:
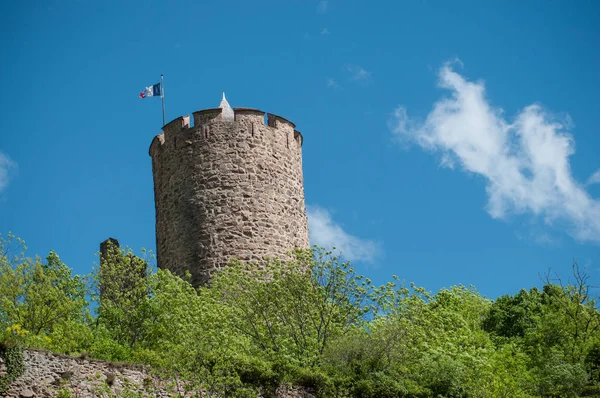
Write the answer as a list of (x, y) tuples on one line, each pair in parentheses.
[(573, 306), (513, 316), (557, 326), (291, 310), (428, 345), (121, 287), (39, 296)]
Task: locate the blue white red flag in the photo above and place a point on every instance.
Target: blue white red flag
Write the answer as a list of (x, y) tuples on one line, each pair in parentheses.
[(151, 91)]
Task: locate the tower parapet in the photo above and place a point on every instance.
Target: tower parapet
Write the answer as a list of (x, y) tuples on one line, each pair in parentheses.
[(228, 186)]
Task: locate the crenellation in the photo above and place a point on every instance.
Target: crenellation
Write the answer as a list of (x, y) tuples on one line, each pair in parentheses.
[(176, 125), (249, 115), (298, 137), (173, 130), (156, 144), (279, 122), (207, 116)]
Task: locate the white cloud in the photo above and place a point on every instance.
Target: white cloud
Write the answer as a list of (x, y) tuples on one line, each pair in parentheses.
[(331, 83), (325, 232), (594, 178), (324, 31), (323, 6), (358, 73), (7, 167), (525, 162)]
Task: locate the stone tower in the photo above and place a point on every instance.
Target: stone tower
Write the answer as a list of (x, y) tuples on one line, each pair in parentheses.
[(228, 186)]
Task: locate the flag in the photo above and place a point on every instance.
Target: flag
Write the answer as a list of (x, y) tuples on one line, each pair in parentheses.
[(151, 91), (156, 90)]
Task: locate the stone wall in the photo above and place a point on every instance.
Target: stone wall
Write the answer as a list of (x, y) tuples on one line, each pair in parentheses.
[(48, 375), (53, 375), (227, 189)]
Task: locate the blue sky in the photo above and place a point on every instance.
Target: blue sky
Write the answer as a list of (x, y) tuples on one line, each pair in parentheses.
[(444, 143)]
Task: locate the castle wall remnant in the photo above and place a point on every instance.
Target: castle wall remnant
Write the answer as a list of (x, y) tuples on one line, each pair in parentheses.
[(49, 374), (228, 186)]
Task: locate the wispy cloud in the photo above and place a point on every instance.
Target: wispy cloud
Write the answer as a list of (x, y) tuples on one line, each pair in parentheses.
[(536, 233), (594, 178), (525, 161), (332, 83), (358, 73), (7, 168), (546, 239), (323, 6), (325, 232), (324, 31)]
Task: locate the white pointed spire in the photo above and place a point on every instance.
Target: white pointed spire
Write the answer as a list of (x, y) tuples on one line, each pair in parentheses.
[(227, 112)]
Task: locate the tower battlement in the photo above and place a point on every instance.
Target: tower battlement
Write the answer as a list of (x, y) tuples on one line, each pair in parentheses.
[(248, 120), (229, 186)]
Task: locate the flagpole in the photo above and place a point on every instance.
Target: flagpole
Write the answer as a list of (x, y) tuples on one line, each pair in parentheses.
[(162, 96)]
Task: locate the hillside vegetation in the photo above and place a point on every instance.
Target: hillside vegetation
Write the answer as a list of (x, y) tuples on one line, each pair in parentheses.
[(311, 322)]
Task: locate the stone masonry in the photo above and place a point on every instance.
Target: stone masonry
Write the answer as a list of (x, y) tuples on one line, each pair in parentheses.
[(54, 375), (49, 375), (230, 186)]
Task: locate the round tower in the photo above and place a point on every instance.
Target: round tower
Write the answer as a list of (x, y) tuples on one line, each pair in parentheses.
[(228, 186)]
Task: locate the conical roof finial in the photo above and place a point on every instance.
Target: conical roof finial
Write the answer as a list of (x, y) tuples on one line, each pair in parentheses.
[(227, 112)]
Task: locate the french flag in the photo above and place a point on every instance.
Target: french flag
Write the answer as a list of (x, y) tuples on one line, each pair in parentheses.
[(151, 91)]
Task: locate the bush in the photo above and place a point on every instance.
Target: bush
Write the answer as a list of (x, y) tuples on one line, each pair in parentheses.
[(14, 362)]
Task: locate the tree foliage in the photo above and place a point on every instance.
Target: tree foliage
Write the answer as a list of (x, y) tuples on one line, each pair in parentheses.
[(309, 321)]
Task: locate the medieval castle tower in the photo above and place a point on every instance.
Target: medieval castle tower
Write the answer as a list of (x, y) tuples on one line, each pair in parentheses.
[(228, 186)]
